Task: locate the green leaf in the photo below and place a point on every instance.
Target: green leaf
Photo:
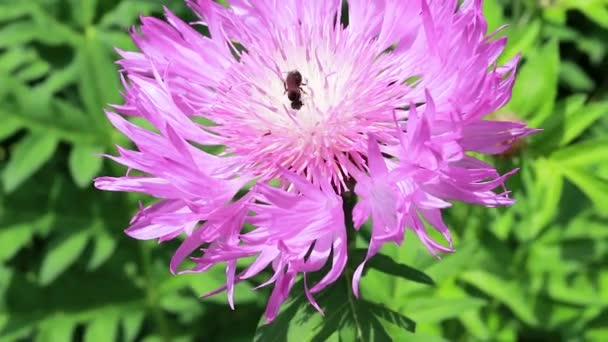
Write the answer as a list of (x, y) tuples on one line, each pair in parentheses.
[(58, 328), (346, 318), (508, 292), (585, 153), (492, 11), (14, 10), (577, 122), (596, 10), (61, 255), (27, 157), (83, 11), (17, 33), (389, 266), (544, 199), (131, 325), (521, 38), (578, 290), (13, 238), (84, 165), (127, 12), (575, 77), (98, 83), (9, 126), (33, 71), (536, 87), (103, 328), (15, 58), (595, 188), (104, 246), (424, 310), (554, 126)]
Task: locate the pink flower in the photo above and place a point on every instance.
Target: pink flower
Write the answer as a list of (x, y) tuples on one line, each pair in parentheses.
[(385, 107)]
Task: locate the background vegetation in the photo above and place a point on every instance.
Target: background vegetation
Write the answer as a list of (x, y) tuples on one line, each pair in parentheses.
[(535, 272)]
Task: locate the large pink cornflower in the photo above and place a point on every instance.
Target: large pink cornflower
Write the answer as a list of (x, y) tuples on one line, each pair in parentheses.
[(387, 108)]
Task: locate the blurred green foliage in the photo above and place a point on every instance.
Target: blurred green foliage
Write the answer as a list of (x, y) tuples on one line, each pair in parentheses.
[(537, 271)]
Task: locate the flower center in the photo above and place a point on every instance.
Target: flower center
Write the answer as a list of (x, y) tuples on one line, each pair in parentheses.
[(304, 105)]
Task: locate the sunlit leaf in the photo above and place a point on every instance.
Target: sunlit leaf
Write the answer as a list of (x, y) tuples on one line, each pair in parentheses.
[(125, 14), (506, 291), (99, 82), (574, 76), (131, 324), (84, 165), (12, 239), (58, 328), (586, 153), (103, 247), (595, 188), (61, 255), (102, 328), (424, 310), (521, 38), (83, 11), (9, 126), (536, 86), (27, 157)]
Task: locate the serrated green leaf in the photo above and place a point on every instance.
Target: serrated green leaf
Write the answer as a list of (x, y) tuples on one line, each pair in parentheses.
[(84, 165), (508, 292), (103, 328), (61, 255), (27, 157)]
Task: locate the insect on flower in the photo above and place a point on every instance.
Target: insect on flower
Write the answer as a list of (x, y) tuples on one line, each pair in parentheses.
[(293, 88), (405, 148)]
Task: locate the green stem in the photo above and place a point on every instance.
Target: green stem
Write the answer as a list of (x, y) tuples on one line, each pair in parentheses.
[(349, 199)]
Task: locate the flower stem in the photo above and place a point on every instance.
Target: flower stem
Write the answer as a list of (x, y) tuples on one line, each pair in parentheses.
[(349, 199)]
